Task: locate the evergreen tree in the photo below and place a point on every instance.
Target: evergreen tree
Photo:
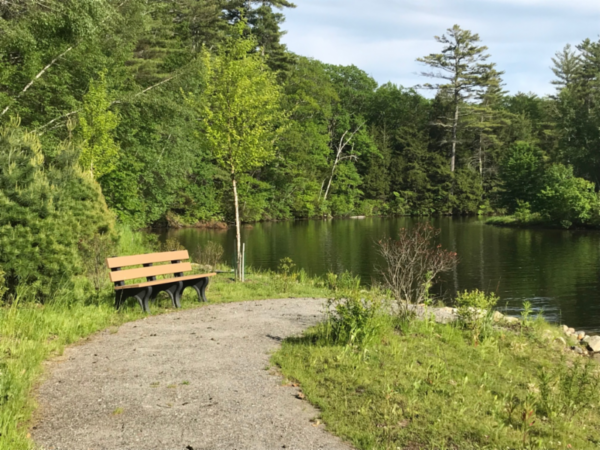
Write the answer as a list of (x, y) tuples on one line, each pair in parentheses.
[(48, 215), (462, 65), (566, 67), (265, 25)]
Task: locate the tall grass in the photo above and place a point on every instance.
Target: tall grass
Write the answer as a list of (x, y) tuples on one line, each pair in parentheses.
[(416, 384), (29, 334)]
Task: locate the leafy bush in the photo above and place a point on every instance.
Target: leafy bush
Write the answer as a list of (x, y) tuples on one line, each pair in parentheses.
[(475, 310), (353, 317), (566, 199), (50, 215), (344, 281)]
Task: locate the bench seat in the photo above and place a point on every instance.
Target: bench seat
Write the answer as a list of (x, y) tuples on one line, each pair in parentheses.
[(148, 290), (165, 280)]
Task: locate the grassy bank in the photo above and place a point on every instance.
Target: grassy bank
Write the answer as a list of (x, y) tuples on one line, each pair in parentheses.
[(535, 222), (423, 385), (31, 333)]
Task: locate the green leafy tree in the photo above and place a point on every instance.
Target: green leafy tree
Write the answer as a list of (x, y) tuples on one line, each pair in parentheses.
[(240, 113), (99, 152), (566, 199), (521, 173)]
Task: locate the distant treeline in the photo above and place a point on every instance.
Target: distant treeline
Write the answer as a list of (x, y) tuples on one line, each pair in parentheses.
[(110, 77)]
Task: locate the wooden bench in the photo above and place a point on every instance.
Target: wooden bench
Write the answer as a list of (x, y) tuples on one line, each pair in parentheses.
[(146, 291)]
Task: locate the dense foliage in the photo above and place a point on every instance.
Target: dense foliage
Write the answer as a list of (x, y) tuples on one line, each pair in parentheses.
[(50, 215), (119, 71)]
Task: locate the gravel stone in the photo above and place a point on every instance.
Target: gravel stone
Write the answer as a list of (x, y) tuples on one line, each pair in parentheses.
[(194, 379)]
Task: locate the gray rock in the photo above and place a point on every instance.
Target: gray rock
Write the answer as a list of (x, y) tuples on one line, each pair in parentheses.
[(498, 316), (594, 343), (577, 350), (570, 332), (509, 319)]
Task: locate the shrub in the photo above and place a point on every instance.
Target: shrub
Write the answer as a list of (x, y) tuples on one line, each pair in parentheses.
[(210, 255), (353, 317), (344, 281), (287, 270), (412, 263), (50, 214), (475, 310), (172, 244), (566, 199)]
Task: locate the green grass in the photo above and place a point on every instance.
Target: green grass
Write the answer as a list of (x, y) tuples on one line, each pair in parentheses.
[(31, 333), (421, 385)]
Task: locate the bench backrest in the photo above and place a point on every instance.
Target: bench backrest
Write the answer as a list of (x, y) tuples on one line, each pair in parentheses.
[(176, 267)]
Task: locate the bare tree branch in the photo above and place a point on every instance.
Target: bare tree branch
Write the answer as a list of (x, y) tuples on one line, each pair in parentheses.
[(42, 72)]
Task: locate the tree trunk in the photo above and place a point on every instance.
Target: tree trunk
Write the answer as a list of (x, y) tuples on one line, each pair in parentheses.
[(238, 237), (335, 163), (481, 153), (454, 133)]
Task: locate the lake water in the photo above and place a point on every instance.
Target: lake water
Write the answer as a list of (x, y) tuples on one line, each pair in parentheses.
[(557, 271)]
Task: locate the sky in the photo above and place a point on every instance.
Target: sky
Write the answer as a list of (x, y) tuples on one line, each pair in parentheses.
[(385, 37)]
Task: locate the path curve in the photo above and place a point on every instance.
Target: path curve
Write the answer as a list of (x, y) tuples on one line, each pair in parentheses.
[(193, 379)]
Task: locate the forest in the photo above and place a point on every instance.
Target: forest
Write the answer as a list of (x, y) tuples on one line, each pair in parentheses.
[(129, 90)]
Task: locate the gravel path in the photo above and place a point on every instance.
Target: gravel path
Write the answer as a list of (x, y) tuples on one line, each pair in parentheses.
[(190, 380)]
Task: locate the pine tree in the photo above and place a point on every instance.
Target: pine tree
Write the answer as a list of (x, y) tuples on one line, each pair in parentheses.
[(462, 65), (566, 67), (265, 25), (49, 215)]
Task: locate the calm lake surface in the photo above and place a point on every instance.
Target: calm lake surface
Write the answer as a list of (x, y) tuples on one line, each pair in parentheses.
[(557, 271)]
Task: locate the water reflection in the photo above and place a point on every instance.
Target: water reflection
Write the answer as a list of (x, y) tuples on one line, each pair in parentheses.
[(557, 271)]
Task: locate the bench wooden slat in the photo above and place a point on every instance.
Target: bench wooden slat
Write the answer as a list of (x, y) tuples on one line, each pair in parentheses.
[(166, 280), (153, 271), (135, 260)]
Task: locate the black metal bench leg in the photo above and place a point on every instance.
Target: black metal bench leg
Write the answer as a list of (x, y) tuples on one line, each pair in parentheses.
[(201, 289), (144, 299), (175, 294), (119, 299), (141, 295)]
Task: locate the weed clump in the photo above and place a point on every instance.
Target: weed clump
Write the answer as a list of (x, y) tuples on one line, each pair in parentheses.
[(475, 312)]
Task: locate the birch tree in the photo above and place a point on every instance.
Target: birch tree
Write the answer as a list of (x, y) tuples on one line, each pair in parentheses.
[(240, 114)]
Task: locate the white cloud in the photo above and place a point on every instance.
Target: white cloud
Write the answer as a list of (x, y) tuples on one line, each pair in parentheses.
[(384, 37)]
